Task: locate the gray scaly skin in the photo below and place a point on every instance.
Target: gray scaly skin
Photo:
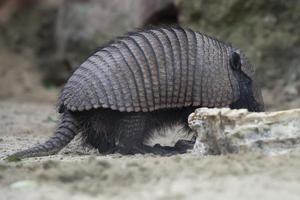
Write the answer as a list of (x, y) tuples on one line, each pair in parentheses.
[(65, 132), (148, 80)]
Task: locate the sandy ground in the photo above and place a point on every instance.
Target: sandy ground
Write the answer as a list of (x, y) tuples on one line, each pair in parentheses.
[(78, 173)]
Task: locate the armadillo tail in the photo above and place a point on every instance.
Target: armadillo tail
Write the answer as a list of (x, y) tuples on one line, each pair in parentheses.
[(64, 133)]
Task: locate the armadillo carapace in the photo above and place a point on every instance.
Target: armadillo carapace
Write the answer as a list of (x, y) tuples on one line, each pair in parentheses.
[(148, 80)]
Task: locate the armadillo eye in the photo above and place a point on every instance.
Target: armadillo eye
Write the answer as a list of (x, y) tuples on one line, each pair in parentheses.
[(235, 61)]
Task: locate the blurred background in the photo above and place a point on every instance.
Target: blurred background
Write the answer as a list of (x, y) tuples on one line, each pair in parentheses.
[(43, 41)]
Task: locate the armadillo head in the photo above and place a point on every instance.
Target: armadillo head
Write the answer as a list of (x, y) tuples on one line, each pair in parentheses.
[(250, 92)]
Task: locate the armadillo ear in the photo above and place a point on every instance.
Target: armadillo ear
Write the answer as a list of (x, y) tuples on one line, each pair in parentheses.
[(235, 61)]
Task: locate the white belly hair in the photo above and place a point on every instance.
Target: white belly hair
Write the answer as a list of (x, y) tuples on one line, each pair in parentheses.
[(169, 136)]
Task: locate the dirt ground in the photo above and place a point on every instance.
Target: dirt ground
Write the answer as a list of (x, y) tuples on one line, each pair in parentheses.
[(79, 173)]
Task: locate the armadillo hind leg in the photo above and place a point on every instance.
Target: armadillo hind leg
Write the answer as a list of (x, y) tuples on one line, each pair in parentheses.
[(131, 131), (64, 133)]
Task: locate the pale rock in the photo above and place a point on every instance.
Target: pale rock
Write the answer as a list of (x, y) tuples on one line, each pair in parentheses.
[(223, 131)]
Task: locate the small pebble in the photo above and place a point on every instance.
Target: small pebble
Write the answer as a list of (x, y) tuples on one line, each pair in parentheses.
[(24, 184)]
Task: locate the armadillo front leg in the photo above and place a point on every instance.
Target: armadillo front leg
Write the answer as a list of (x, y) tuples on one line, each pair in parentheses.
[(64, 133)]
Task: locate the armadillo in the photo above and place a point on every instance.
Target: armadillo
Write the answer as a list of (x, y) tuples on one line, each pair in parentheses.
[(147, 80)]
